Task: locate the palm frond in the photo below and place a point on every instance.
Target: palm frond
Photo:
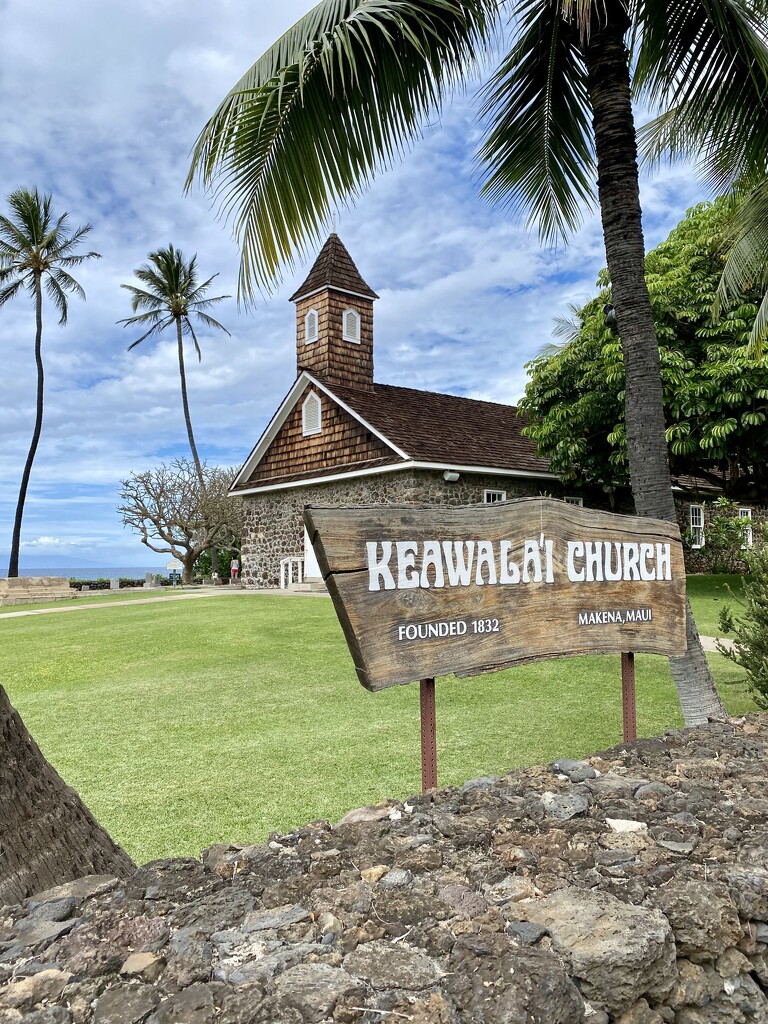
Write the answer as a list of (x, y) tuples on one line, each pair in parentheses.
[(57, 296), (538, 151), (336, 98), (10, 290), (191, 330), (210, 322), (747, 263), (67, 282), (704, 63)]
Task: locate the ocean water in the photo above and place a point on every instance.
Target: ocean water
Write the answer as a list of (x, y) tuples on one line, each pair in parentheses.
[(90, 572)]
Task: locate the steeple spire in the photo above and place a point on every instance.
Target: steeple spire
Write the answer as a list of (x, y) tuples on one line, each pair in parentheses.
[(334, 268)]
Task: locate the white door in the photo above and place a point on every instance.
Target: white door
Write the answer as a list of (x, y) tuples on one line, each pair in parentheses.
[(311, 568)]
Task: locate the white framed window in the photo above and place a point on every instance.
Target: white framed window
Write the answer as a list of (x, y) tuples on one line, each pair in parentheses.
[(696, 525), (350, 326), (746, 513), (574, 501), (311, 415), (491, 497), (311, 326)]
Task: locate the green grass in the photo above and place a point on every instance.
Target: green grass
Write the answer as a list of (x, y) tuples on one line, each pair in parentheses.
[(708, 594), (185, 723)]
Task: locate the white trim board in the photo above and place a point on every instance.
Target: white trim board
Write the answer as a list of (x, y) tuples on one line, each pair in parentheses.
[(410, 464)]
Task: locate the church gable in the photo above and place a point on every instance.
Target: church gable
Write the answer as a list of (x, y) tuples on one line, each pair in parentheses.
[(317, 435)]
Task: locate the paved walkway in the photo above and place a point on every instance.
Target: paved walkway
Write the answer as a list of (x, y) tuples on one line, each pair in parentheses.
[(129, 602)]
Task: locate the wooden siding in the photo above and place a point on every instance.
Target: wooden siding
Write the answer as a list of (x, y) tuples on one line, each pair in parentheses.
[(342, 442), (330, 357)]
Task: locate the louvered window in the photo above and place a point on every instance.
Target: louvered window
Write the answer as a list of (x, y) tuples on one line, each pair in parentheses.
[(311, 415), (311, 326), (696, 525), (351, 326), (574, 501)]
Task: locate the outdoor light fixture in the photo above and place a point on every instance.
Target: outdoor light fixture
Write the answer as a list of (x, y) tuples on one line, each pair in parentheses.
[(609, 312), (451, 476)]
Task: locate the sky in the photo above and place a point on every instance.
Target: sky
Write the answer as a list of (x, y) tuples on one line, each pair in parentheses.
[(100, 104)]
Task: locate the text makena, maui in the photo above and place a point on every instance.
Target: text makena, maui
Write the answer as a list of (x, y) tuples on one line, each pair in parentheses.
[(409, 564)]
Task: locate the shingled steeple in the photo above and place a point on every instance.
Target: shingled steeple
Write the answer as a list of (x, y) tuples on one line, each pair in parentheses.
[(334, 320)]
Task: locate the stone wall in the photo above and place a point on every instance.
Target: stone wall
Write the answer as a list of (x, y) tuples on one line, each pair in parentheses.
[(695, 561), (273, 528), (629, 888), (32, 589)]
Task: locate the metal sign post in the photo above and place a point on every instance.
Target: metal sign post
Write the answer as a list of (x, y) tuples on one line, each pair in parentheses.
[(428, 735), (628, 696)]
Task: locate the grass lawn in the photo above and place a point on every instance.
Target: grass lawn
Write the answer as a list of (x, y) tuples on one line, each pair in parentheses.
[(185, 723), (708, 594)]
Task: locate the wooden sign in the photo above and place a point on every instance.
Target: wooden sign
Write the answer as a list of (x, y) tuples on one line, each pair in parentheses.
[(427, 591)]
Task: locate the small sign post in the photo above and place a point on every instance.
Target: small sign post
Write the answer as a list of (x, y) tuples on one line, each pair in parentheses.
[(423, 591)]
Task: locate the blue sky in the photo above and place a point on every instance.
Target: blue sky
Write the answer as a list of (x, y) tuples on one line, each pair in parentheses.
[(100, 105)]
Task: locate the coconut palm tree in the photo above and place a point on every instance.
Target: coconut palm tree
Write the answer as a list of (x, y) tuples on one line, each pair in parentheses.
[(37, 249), (352, 83), (173, 295)]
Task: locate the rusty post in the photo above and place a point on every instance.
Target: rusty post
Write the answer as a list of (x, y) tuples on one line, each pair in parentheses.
[(628, 696), (428, 735)]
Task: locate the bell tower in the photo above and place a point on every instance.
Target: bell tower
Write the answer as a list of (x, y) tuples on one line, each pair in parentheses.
[(334, 320)]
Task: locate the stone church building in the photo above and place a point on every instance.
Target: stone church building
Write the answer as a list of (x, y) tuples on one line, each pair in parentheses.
[(340, 438)]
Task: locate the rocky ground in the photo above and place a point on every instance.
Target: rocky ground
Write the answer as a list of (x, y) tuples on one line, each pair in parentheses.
[(631, 888)]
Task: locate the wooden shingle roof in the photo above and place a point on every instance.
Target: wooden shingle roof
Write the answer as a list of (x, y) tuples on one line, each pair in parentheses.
[(432, 427), (334, 268)]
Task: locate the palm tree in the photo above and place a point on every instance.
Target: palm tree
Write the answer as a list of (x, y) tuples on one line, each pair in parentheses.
[(172, 295), (351, 84), (747, 264), (37, 248)]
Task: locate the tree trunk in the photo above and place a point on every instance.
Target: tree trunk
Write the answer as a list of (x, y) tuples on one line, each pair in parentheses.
[(185, 403), (13, 565), (48, 835), (607, 63), (188, 572)]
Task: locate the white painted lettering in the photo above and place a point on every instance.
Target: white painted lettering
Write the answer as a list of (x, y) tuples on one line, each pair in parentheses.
[(575, 550), (406, 561), (509, 571), (379, 570), (549, 562), (594, 561), (532, 557), (459, 569), (631, 552), (485, 557), (646, 552), (663, 562), (432, 557), (612, 574)]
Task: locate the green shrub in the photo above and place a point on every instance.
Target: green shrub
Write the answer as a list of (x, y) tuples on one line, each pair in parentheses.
[(750, 628)]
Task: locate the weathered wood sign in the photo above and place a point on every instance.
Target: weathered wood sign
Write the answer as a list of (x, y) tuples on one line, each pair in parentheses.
[(427, 591)]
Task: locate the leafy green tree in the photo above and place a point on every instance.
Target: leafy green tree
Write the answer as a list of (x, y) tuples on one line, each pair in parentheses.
[(37, 249), (351, 84), (715, 392), (172, 294), (749, 649)]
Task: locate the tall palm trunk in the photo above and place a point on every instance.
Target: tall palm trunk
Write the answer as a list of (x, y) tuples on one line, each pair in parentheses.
[(48, 834), (185, 403), (13, 565), (607, 63)]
